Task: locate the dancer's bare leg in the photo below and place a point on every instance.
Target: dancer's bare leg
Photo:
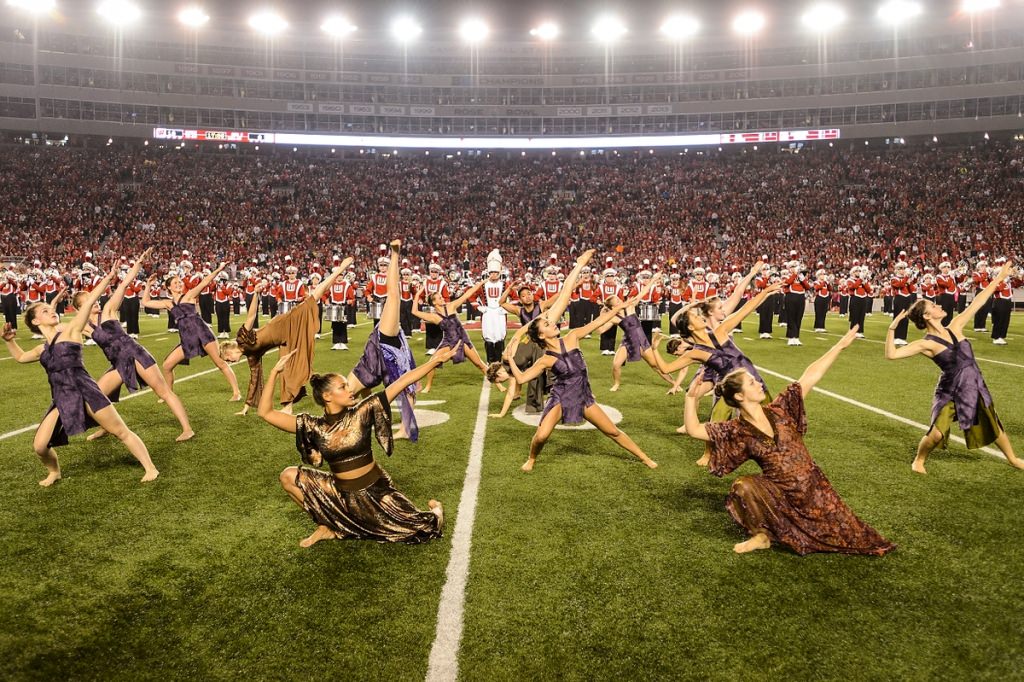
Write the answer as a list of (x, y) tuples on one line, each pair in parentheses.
[(213, 350), (110, 420), (596, 416), (46, 454), (648, 356), (390, 324), (287, 479), (540, 437), (173, 359), (108, 383), (617, 362), (152, 376), (1003, 443), (429, 383), (474, 357), (928, 442)]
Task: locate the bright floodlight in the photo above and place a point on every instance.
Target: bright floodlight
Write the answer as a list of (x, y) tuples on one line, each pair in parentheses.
[(267, 22), (975, 6), (119, 12), (405, 29), (473, 30), (34, 6), (680, 27), (546, 31), (823, 17), (609, 29), (337, 26), (898, 11), (193, 16), (748, 22)]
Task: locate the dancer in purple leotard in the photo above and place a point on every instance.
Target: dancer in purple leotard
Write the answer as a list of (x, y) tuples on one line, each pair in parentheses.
[(446, 316), (961, 394), (635, 345), (78, 401), (571, 399)]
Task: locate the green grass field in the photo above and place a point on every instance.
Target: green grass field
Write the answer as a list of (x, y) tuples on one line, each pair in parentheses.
[(591, 567)]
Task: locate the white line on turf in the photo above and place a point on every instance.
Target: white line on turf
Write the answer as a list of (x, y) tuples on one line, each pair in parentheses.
[(995, 362), (18, 432), (878, 410), (443, 665)]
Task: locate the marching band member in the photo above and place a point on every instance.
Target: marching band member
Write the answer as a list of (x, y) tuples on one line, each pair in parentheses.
[(1002, 306), (675, 300), (251, 277), (377, 289), (434, 284), (795, 291), (765, 311), (493, 324), (206, 298), (9, 286), (822, 299), (406, 289), (609, 288), (860, 292), (342, 297), (980, 278), (649, 305), (223, 293), (904, 294), (946, 283)]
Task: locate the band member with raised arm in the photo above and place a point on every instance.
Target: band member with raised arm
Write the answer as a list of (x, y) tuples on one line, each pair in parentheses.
[(571, 400), (196, 337), (446, 316), (961, 394), (294, 331), (357, 499), (130, 363), (77, 401), (791, 501)]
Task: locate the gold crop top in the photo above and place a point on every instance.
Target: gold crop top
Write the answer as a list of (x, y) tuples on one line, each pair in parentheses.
[(344, 439)]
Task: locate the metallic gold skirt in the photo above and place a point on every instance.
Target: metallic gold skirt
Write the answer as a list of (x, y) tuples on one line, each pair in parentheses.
[(367, 508)]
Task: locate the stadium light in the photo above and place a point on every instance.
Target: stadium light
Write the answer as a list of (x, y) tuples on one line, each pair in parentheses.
[(267, 22), (337, 26), (896, 12), (548, 30), (33, 6), (680, 27), (473, 30), (193, 17), (976, 6), (405, 29), (748, 22), (119, 12), (608, 29), (823, 17)]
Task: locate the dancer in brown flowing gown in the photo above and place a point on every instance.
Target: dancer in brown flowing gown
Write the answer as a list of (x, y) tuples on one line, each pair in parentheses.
[(791, 501)]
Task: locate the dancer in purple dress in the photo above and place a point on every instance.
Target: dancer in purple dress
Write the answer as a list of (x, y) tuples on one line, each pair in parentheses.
[(791, 501), (196, 337), (452, 330), (130, 363), (571, 400), (961, 394), (386, 355), (78, 401), (634, 346)]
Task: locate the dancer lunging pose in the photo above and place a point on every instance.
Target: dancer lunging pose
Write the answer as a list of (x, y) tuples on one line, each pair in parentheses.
[(452, 332), (571, 400), (357, 499), (196, 337), (78, 401), (635, 345), (295, 330), (130, 363), (961, 394), (791, 501)]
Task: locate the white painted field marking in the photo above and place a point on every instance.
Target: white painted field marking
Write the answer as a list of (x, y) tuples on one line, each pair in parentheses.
[(995, 362), (880, 411), (443, 664), (18, 432)]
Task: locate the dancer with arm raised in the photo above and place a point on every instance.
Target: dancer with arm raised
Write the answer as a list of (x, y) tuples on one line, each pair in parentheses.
[(452, 332)]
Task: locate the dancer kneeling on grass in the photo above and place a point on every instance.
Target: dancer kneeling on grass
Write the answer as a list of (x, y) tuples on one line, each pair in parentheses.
[(635, 345), (357, 500), (452, 330), (196, 336), (961, 394), (296, 330), (130, 363), (386, 355), (78, 401), (571, 400), (791, 501)]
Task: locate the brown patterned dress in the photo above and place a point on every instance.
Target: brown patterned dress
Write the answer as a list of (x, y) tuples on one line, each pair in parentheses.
[(367, 507), (295, 330), (791, 500)]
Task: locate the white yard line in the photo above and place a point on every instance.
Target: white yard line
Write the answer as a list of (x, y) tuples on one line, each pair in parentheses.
[(443, 665), (880, 411)]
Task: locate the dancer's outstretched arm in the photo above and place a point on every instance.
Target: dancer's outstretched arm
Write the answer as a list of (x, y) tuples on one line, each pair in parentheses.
[(737, 295), (816, 370), (147, 302), (647, 288), (20, 356), (909, 350), (442, 355), (605, 317), (733, 321), (432, 318), (554, 313), (958, 322), (691, 421), (73, 331), (322, 288), (114, 304), (265, 409), (193, 293), (535, 370), (254, 306)]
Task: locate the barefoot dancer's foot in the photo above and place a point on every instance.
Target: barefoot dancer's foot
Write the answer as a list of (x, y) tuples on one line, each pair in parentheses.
[(501, 387), (150, 476), (400, 434), (185, 435), (160, 401), (918, 466), (425, 390), (233, 399), (705, 458), (321, 533), (438, 510), (651, 464), (682, 430), (529, 464), (50, 480), (614, 387), (759, 541), (96, 435)]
